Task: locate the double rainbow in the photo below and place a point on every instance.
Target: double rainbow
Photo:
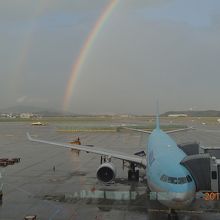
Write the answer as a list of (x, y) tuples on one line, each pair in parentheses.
[(22, 59)]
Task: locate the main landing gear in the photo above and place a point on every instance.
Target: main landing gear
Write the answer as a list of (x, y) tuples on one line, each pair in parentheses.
[(1, 196), (133, 175)]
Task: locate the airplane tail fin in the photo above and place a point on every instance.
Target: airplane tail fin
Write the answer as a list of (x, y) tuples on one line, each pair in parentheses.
[(158, 117), (171, 131)]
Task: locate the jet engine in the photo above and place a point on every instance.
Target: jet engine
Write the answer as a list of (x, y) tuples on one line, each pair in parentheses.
[(106, 172)]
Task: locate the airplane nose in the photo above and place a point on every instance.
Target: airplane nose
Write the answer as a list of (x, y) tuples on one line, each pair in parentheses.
[(177, 200), (182, 197)]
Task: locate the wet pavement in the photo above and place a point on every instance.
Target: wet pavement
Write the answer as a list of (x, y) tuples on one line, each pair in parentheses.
[(55, 183)]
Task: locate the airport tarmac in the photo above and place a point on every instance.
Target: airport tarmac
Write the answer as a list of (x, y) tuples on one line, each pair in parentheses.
[(56, 184)]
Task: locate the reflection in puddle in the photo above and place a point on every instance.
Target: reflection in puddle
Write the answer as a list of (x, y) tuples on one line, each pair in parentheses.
[(131, 201)]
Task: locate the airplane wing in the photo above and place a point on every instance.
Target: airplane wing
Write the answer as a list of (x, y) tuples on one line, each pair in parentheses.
[(138, 130), (101, 151), (168, 132), (179, 130)]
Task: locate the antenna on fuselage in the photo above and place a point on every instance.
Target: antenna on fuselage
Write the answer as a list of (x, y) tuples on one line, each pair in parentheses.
[(157, 117)]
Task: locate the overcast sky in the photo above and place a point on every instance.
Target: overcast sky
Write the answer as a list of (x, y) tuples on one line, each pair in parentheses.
[(146, 50)]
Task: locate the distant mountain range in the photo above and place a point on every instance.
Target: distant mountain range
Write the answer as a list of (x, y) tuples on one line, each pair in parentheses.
[(35, 110), (205, 113), (18, 109)]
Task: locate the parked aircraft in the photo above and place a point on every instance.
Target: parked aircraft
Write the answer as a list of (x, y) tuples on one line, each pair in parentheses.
[(172, 182)]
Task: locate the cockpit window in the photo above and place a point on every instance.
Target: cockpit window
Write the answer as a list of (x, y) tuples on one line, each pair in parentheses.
[(182, 180), (189, 179), (174, 180), (164, 178)]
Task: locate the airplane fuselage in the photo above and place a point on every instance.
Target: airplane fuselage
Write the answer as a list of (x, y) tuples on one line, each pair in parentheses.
[(167, 178)]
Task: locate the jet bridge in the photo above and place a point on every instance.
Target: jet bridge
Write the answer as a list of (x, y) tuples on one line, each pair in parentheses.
[(189, 148), (213, 151), (199, 166), (215, 174), (205, 170)]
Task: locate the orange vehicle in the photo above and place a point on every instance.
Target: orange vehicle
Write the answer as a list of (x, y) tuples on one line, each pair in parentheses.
[(77, 141)]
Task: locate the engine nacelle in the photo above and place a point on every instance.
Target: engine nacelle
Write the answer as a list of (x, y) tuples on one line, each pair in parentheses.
[(106, 172)]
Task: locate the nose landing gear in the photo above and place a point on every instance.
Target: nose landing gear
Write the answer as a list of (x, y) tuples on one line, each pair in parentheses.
[(172, 215)]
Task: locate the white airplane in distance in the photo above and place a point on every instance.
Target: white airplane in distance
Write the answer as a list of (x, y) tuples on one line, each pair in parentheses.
[(38, 123), (165, 174)]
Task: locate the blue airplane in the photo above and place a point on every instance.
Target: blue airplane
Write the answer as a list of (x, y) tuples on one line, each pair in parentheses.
[(173, 183), (170, 182)]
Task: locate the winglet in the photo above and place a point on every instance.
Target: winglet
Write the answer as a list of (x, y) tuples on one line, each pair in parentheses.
[(158, 117)]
